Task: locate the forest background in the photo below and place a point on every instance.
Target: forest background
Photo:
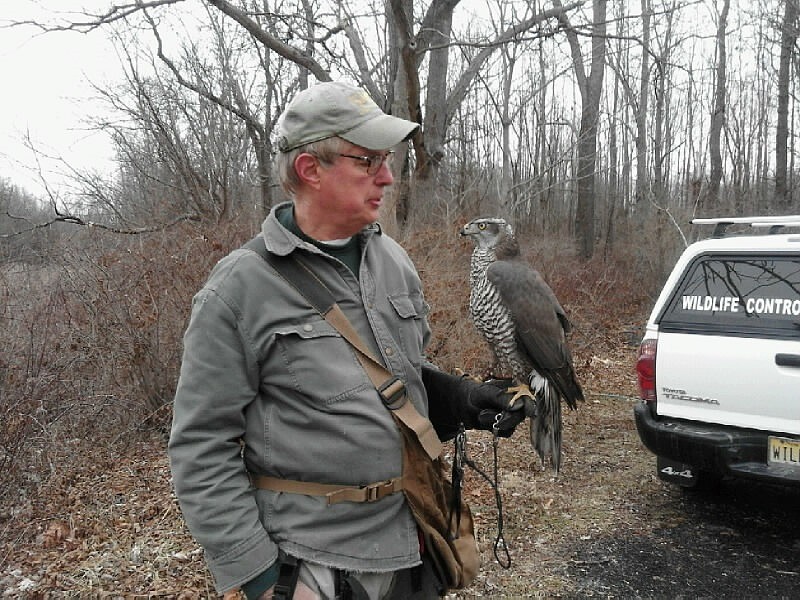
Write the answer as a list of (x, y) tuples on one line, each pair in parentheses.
[(599, 129)]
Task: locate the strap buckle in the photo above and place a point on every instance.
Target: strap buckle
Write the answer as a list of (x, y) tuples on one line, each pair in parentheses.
[(372, 492), (392, 393), (376, 491)]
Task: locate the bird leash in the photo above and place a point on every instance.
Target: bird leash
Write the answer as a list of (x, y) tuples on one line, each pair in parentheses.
[(460, 459)]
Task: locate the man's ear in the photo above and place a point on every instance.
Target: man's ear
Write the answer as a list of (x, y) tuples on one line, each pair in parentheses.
[(307, 168)]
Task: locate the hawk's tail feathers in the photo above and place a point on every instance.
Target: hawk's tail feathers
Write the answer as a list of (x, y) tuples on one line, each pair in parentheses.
[(546, 426)]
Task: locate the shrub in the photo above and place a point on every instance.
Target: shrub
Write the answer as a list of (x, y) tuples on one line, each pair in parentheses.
[(92, 338)]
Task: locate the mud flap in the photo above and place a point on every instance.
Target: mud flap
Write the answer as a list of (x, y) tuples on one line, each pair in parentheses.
[(676, 472)]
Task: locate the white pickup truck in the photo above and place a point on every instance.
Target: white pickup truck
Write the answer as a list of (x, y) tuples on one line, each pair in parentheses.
[(719, 364)]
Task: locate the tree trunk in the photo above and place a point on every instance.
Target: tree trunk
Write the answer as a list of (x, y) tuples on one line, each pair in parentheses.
[(788, 40), (440, 22), (506, 198), (661, 149), (590, 88), (406, 95), (642, 178), (612, 194), (711, 200)]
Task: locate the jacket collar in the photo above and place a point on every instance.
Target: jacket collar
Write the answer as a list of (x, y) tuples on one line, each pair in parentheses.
[(281, 241)]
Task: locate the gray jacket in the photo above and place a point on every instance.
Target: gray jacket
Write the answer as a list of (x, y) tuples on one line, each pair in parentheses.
[(261, 366)]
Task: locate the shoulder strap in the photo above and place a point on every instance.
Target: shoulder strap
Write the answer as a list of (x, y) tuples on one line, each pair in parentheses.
[(392, 390), (296, 273)]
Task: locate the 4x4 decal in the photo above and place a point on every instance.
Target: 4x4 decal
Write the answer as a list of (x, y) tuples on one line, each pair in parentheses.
[(687, 473)]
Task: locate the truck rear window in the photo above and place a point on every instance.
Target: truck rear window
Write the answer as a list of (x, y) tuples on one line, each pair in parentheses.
[(758, 295)]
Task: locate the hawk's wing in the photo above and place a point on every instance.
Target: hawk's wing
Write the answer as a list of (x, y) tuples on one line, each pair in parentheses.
[(538, 317), (540, 323)]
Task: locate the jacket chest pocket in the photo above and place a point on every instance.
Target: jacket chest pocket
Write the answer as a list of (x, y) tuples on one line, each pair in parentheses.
[(315, 360), (411, 310)]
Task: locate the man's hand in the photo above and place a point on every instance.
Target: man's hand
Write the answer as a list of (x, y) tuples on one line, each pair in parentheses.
[(491, 402)]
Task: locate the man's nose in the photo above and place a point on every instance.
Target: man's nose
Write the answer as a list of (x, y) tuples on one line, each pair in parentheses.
[(384, 176)]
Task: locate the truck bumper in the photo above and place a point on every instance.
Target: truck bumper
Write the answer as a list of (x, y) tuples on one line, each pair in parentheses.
[(688, 447)]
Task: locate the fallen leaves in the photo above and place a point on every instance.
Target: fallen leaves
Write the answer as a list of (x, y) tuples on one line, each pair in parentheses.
[(90, 537), (58, 533), (107, 523)]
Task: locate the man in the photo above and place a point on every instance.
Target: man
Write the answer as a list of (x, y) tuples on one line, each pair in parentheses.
[(268, 388)]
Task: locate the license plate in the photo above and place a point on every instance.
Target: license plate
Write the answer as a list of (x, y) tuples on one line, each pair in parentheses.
[(783, 451)]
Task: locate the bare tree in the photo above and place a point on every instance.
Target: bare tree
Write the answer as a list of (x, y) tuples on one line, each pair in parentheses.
[(590, 87), (613, 195), (441, 104), (206, 111)]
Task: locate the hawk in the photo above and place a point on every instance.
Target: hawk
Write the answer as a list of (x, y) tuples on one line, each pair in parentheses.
[(525, 326)]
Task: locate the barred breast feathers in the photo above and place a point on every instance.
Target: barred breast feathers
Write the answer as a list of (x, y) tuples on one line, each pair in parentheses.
[(492, 318)]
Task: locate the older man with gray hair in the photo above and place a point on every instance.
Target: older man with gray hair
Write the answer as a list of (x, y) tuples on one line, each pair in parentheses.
[(273, 404)]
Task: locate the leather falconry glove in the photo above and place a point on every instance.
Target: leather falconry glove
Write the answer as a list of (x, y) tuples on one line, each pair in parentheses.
[(453, 400)]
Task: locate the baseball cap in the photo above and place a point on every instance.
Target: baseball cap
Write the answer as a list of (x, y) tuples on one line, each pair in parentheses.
[(339, 109)]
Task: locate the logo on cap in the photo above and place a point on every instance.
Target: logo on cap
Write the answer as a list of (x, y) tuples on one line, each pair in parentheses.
[(362, 102)]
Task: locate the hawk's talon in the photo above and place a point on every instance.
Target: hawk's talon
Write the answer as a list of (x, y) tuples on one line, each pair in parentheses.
[(519, 391)]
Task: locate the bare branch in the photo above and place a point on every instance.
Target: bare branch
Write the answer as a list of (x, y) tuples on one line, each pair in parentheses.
[(116, 12), (289, 52), (463, 83), (244, 116), (76, 220), (357, 48)]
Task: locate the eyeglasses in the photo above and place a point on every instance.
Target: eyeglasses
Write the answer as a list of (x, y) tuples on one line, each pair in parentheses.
[(373, 162)]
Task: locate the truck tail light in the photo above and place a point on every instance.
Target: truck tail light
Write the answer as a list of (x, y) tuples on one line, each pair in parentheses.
[(646, 370)]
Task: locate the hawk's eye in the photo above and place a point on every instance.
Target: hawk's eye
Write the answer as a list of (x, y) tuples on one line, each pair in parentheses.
[(481, 226)]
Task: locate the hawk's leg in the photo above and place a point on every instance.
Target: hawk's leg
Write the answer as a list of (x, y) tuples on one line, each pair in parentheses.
[(537, 382)]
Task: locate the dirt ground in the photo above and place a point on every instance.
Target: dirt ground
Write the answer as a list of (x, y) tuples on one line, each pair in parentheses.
[(615, 531), (605, 527)]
